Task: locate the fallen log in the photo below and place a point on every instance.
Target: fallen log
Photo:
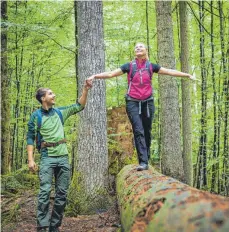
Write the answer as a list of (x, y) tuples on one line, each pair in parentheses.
[(149, 201)]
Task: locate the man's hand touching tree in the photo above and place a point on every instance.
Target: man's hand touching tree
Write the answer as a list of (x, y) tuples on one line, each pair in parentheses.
[(90, 80)]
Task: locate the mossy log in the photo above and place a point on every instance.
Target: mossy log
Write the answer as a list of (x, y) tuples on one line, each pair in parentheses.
[(149, 201)]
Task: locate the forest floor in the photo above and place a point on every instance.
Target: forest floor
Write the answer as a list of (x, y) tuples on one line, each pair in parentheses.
[(23, 217)]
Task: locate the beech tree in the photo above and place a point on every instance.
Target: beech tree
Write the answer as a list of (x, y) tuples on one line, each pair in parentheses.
[(186, 95), (171, 155), (92, 155), (5, 95)]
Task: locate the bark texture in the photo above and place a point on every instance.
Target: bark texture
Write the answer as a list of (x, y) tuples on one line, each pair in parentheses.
[(149, 201), (186, 96), (5, 96), (172, 162), (92, 154)]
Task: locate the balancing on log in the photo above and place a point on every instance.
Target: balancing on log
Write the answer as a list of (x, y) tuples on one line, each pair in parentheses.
[(152, 202)]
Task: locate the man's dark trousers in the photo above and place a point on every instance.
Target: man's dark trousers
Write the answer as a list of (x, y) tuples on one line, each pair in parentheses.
[(58, 167)]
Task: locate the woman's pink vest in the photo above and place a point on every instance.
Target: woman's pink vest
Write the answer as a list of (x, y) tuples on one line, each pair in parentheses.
[(139, 80)]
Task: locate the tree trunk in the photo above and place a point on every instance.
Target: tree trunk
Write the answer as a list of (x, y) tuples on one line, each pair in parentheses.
[(225, 98), (147, 26), (150, 201), (186, 96), (92, 160), (172, 163), (76, 55), (16, 106), (201, 175), (214, 146), (5, 96)]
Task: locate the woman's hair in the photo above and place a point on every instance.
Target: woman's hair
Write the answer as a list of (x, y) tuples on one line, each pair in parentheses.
[(40, 93), (142, 44)]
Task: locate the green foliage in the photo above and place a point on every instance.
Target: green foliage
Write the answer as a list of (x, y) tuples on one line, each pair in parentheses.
[(117, 157), (19, 181), (12, 187), (41, 52), (10, 215)]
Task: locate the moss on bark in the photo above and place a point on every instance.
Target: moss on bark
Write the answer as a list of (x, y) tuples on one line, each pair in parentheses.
[(150, 201)]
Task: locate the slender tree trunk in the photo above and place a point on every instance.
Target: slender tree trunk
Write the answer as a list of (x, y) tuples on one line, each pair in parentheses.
[(15, 112), (75, 143), (220, 114), (202, 172), (172, 163), (76, 56), (5, 95), (147, 26), (26, 110), (214, 147), (19, 44), (225, 98), (186, 96), (92, 160)]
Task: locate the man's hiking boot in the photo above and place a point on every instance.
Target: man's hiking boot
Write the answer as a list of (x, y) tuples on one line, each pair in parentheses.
[(42, 229), (142, 167), (54, 229)]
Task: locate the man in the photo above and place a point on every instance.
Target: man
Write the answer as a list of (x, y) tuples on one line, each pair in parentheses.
[(139, 97), (46, 126)]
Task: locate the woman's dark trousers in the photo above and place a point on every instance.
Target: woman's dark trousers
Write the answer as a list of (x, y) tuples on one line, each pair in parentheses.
[(141, 117)]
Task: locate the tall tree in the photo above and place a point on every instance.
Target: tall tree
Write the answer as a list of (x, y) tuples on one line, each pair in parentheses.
[(92, 155), (225, 67), (147, 26), (5, 95), (76, 53), (186, 95), (201, 174), (214, 145), (172, 162)]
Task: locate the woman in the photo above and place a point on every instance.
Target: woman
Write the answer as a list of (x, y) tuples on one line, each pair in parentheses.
[(139, 97)]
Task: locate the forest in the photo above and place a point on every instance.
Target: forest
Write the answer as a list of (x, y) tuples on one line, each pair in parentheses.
[(58, 44)]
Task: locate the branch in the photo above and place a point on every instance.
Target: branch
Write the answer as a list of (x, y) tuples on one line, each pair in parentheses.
[(199, 20), (42, 33)]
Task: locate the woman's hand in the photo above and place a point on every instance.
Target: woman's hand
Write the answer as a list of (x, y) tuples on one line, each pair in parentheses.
[(193, 78)]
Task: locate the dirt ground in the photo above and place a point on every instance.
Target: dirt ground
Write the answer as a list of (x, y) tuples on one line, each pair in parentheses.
[(25, 220)]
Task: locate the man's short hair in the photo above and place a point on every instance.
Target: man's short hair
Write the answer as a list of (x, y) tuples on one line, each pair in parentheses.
[(40, 93)]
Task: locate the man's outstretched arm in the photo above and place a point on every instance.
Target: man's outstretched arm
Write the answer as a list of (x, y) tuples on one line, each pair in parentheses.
[(83, 99)]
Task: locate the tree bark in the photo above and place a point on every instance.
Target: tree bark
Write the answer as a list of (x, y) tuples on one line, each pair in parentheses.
[(149, 201), (171, 155), (186, 96), (76, 55), (147, 27), (225, 97), (92, 156), (214, 146), (5, 96), (201, 176)]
